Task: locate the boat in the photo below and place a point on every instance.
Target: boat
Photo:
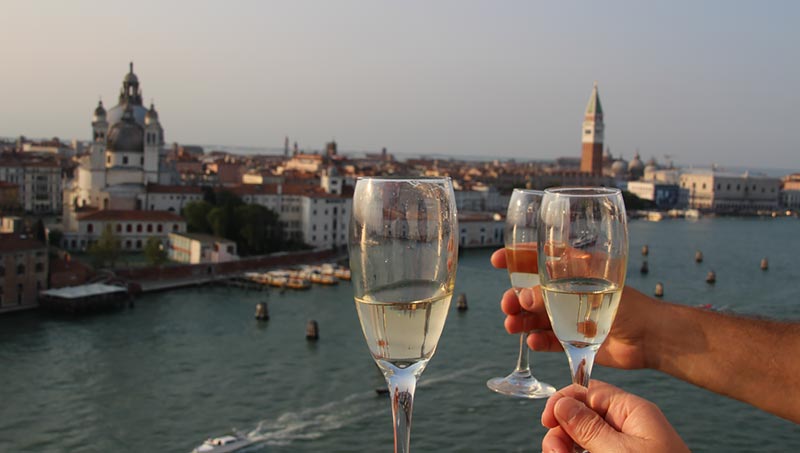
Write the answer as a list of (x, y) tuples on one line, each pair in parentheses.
[(223, 444), (342, 273), (297, 283), (655, 216), (322, 279)]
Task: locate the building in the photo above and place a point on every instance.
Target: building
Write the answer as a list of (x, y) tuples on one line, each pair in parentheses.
[(170, 198), (665, 196), (9, 196), (481, 229), (131, 228), (193, 248), (729, 193), (592, 136), (23, 272), (126, 153), (38, 179), (790, 191)]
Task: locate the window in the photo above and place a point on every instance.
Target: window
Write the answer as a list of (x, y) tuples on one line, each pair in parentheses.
[(108, 159), (125, 160), (729, 187), (175, 227), (314, 238), (738, 187), (149, 227), (141, 160), (160, 228), (20, 269), (138, 243), (704, 185), (128, 244), (129, 228), (138, 227), (39, 267), (2, 272), (89, 228), (119, 228), (313, 227)]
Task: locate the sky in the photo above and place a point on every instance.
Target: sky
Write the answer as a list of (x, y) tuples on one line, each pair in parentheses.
[(702, 82)]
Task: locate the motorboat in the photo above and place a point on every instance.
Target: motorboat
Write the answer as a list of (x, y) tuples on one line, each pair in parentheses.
[(223, 444)]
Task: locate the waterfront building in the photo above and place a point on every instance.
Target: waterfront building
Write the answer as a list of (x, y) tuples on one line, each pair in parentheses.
[(38, 181), (53, 146), (311, 163), (665, 196), (592, 135), (170, 198), (481, 229), (9, 196), (23, 272), (194, 248), (131, 228), (126, 154), (790, 191), (729, 193)]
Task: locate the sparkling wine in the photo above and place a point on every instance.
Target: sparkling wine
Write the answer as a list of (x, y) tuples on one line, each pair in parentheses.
[(402, 322), (581, 310)]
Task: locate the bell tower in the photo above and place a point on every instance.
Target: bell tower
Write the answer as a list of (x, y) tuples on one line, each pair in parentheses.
[(592, 136)]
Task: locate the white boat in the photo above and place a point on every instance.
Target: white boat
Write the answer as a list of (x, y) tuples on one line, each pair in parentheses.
[(224, 444)]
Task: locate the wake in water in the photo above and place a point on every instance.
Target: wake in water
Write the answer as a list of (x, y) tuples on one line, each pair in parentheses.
[(313, 423)]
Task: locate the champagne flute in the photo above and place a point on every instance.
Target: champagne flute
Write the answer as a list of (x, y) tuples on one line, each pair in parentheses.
[(403, 257), (583, 254), (523, 268)]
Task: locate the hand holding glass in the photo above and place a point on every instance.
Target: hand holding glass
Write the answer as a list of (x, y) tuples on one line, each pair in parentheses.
[(403, 257), (523, 268), (583, 254)]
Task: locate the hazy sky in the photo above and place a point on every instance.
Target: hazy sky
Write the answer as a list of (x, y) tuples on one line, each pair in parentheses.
[(702, 81)]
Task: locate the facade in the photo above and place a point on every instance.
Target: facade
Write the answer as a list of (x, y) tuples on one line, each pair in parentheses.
[(592, 136), (126, 154), (729, 193), (170, 198), (191, 248), (23, 272), (38, 180), (9, 196), (131, 228), (481, 229), (665, 196)]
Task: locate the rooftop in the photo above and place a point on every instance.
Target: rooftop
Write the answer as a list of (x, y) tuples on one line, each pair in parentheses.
[(204, 238), (127, 216), (76, 292), (12, 242)]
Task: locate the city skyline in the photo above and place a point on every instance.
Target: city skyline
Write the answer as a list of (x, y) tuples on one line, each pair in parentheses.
[(704, 84)]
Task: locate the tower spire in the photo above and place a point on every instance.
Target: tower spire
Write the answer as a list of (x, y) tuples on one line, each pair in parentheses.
[(592, 135)]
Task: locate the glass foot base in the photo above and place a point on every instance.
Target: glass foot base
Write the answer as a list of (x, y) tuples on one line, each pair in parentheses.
[(521, 385)]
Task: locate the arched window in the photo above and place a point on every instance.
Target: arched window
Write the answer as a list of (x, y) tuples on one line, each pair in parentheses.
[(175, 227), (119, 228), (128, 244), (160, 228), (90, 228), (138, 227), (149, 227), (138, 243), (128, 228)]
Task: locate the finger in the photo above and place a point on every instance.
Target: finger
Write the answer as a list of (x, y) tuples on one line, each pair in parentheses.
[(499, 258), (557, 441), (531, 299), (525, 322), (571, 391), (544, 341), (510, 303), (585, 426)]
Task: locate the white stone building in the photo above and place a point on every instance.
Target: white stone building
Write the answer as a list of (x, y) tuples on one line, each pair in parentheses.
[(481, 229), (193, 248), (131, 228), (729, 193), (38, 180)]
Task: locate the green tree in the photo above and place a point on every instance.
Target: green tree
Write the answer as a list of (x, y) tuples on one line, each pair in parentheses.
[(222, 220), (196, 215), (259, 230), (154, 252), (54, 238), (106, 251)]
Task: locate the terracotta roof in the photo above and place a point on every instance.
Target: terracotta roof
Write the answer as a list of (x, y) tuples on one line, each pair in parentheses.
[(128, 216), (158, 188), (11, 242)]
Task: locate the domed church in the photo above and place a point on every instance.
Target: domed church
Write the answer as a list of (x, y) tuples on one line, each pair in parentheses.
[(125, 154)]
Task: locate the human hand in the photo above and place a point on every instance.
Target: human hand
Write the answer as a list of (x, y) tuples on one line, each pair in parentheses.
[(625, 346), (611, 420)]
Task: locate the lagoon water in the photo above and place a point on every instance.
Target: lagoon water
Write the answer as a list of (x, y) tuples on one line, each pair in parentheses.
[(184, 365)]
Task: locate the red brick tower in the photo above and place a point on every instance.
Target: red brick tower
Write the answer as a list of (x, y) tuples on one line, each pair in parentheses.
[(592, 136)]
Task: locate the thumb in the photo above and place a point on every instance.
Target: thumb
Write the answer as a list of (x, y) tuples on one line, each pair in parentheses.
[(585, 427)]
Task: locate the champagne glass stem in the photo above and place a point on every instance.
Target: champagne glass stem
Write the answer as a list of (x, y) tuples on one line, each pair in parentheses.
[(523, 362), (402, 384), (581, 361)]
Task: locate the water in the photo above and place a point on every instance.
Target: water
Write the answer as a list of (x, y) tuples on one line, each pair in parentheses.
[(189, 364)]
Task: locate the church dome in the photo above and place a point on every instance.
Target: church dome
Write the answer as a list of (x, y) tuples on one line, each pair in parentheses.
[(126, 135), (131, 78), (636, 167), (618, 168)]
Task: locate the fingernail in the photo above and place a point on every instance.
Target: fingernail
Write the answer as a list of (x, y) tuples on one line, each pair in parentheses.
[(567, 408)]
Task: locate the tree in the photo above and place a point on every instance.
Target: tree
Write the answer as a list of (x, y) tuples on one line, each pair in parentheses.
[(259, 230), (106, 250), (54, 238), (154, 252), (196, 215)]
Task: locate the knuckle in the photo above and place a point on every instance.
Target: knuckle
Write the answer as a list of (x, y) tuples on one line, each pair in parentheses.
[(589, 429)]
